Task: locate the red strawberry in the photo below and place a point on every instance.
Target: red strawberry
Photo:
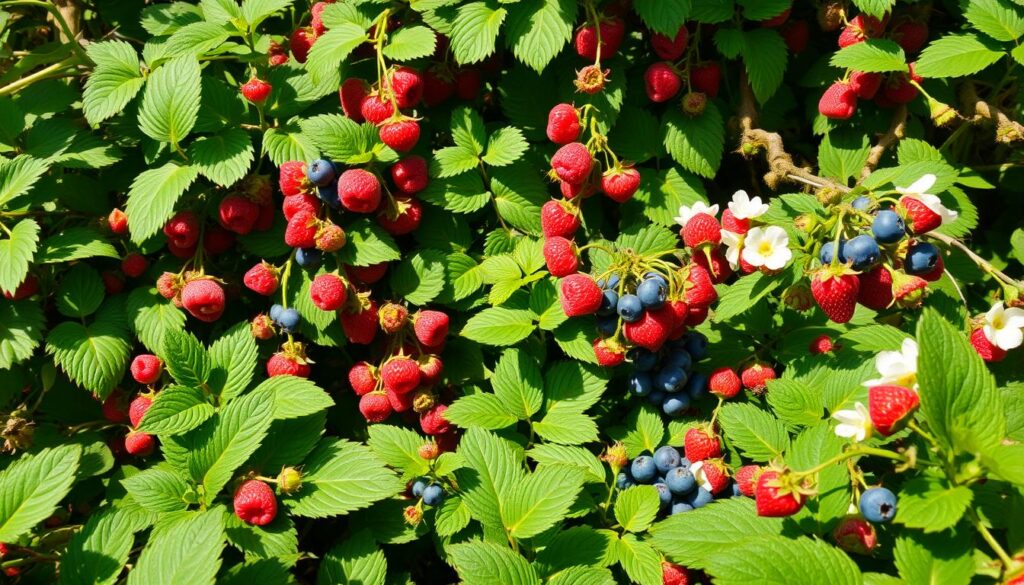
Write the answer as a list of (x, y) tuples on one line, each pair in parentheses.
[(27, 288), (351, 94), (580, 295), (875, 290), (680, 311), (286, 363), (670, 49), (715, 262), (431, 368), (672, 574), (560, 256), (653, 328), (919, 218), (112, 282), (276, 55), (724, 383), (620, 183), (138, 409), (438, 87), (797, 34), (836, 290), (203, 299), (169, 285), (301, 42), (908, 290), (292, 179), (179, 252), (410, 174), (700, 290), (712, 474), (559, 219), (328, 292), (139, 444), (367, 274), (701, 443), (777, 20), (400, 375), (134, 264), (572, 191), (238, 214), (609, 352), (859, 29), (317, 21), (375, 406), (433, 422), (363, 378), (392, 317), (330, 238), (701, 229), (820, 344), (254, 503), (839, 102), (262, 279), (891, 407), (262, 327), (403, 218), (746, 478), (756, 376), (706, 78), (661, 82), (776, 497), (431, 327), (183, 229), (407, 83), (731, 223), (118, 222), (359, 190), (467, 83), (401, 133), (113, 407), (911, 35), (401, 402), (899, 89), (612, 32), (301, 202), (855, 534), (146, 368), (301, 230), (377, 108), (361, 326), (563, 124), (256, 90), (217, 240), (988, 351), (696, 314), (865, 85), (572, 163)]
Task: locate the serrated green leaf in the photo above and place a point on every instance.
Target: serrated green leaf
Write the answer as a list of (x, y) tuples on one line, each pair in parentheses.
[(340, 477), (539, 29), (399, 448), (152, 198), (505, 147), (871, 56), (170, 102), (185, 358), (185, 548), (484, 563), (696, 143), (499, 326), (339, 137), (932, 504), (419, 278), (32, 486), (518, 384), (17, 247), (778, 560), (75, 243), (453, 160), (765, 57), (636, 507), (357, 559), (996, 18), (232, 362), (95, 355), (294, 397), (934, 558), (332, 48), (80, 292), (288, 143), (452, 517), (842, 154), (579, 457), (641, 562), (567, 428), (794, 403), (97, 554), (692, 538), (223, 158), (256, 11), (475, 30), (957, 56), (18, 175), (543, 498), (152, 316), (196, 39), (164, 19), (277, 539), (114, 82), (176, 410), (646, 432), (21, 330), (479, 410), (492, 467), (368, 244), (158, 489), (663, 16), (410, 42), (876, 8)]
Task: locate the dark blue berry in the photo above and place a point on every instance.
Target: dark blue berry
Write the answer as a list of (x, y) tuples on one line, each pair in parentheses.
[(699, 498), (675, 404), (680, 507), (697, 386), (321, 172), (418, 487), (609, 300), (308, 257), (656, 276), (735, 490), (643, 469), (630, 308), (624, 480), (878, 505), (640, 383), (861, 203), (275, 312), (888, 227), (289, 319), (921, 258), (679, 358), (652, 293), (680, 481), (644, 360), (655, 398), (612, 282), (862, 251), (825, 255), (607, 325), (329, 194), (664, 495), (666, 458), (696, 345), (433, 495), (669, 379)]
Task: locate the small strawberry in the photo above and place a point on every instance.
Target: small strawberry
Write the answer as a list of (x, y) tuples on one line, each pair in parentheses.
[(580, 295), (375, 406), (433, 422), (217, 240), (138, 409), (169, 285), (560, 255), (400, 375), (559, 219), (376, 108), (392, 317), (670, 49), (367, 274), (856, 535), (620, 183), (262, 279), (875, 289), (292, 178), (262, 327), (431, 368), (821, 344), (431, 327), (898, 89), (706, 78), (139, 444), (672, 574), (330, 238), (836, 289), (256, 90), (919, 218), (301, 42), (612, 32), (797, 34), (359, 191), (715, 262), (700, 289), (401, 402), (203, 299), (911, 35), (183, 253), (988, 351), (410, 174), (711, 474), (328, 292), (653, 328), (777, 496), (301, 230), (563, 124), (731, 223), (438, 87), (755, 377), (572, 191), (891, 407), (467, 83), (701, 229), (276, 55), (407, 83), (360, 326), (351, 94), (839, 102), (429, 451), (118, 222), (724, 383), (865, 85), (662, 82), (238, 214), (113, 283), (290, 361), (254, 503), (859, 29), (301, 202), (183, 229), (146, 368), (747, 477), (572, 163), (609, 352), (134, 264), (363, 378), (700, 443), (113, 408), (403, 218), (400, 133), (908, 290)]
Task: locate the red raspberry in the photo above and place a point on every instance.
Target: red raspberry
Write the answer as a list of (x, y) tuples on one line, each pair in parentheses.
[(875, 290), (139, 444), (376, 109), (352, 93), (183, 229), (620, 183), (302, 202), (560, 256), (169, 285), (911, 35), (328, 292), (301, 230), (317, 21), (367, 274), (612, 32), (821, 344), (292, 179), (797, 34), (609, 353), (407, 83), (433, 422), (437, 88), (701, 443), (653, 328), (283, 363), (113, 408), (572, 191), (670, 49), (839, 102), (360, 327), (363, 378), (559, 219), (724, 383), (580, 295), (572, 163), (410, 174), (146, 368), (401, 402), (899, 89), (183, 253), (203, 299), (330, 238), (217, 240), (431, 369), (27, 288), (700, 289), (301, 42), (238, 214), (755, 377), (661, 82), (701, 229), (695, 315), (563, 124), (359, 190), (375, 407), (400, 375), (112, 282), (988, 351), (118, 222), (706, 78), (674, 574), (431, 327), (865, 85), (746, 478), (860, 28), (392, 317), (140, 406), (401, 134), (256, 90), (134, 264), (262, 327), (467, 84), (408, 213), (254, 503)]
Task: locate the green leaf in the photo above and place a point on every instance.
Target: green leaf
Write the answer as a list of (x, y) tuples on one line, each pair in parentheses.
[(32, 486), (663, 16), (741, 296), (256, 11), (692, 538), (582, 576), (1007, 462), (485, 411), (185, 548), (170, 103), (18, 175), (294, 397), (158, 489), (696, 143), (934, 558), (876, 8), (220, 10), (505, 147), (468, 130), (636, 507), (539, 29), (115, 80), (420, 277), (75, 243), (485, 563), (17, 249), (957, 56), (579, 545), (579, 457), (196, 39), (21, 330), (542, 499), (757, 434), (843, 152), (152, 198), (452, 161), (452, 517), (332, 48), (519, 192), (399, 448), (641, 562), (288, 143), (357, 559), (795, 404), (95, 355), (932, 504), (277, 539), (410, 42), (780, 560), (223, 158), (518, 384), (996, 18), (567, 428), (176, 410), (729, 42), (463, 193), (475, 30), (871, 56), (164, 19), (152, 316), (97, 554), (646, 432), (368, 244), (340, 138), (339, 477), (492, 468), (80, 292), (499, 326), (765, 57), (185, 358), (233, 359)]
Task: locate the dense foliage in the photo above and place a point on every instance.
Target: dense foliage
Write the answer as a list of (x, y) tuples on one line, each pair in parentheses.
[(511, 291)]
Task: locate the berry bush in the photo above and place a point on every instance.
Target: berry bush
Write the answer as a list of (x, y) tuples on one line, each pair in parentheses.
[(511, 292)]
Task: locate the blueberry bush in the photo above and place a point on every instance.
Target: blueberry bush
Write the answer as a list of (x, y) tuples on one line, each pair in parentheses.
[(511, 292)]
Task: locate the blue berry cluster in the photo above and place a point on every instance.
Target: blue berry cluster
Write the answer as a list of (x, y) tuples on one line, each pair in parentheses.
[(668, 378), (650, 293), (287, 319), (324, 174), (670, 473), (432, 493), (887, 228)]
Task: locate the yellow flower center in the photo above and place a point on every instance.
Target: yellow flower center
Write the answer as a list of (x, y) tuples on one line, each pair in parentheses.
[(765, 248)]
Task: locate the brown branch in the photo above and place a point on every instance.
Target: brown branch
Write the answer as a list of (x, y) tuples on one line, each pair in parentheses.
[(978, 110), (893, 135), (984, 264)]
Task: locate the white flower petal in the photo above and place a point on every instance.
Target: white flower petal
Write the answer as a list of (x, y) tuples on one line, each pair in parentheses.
[(743, 206), (1008, 338), (922, 185)]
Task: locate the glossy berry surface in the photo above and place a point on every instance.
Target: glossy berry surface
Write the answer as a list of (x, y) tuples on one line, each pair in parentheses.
[(888, 227), (878, 505)]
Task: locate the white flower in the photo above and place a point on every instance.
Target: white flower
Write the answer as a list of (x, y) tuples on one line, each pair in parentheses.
[(853, 424), (733, 244), (1003, 326), (767, 246), (743, 207), (897, 367), (686, 212), (919, 190), (697, 469)]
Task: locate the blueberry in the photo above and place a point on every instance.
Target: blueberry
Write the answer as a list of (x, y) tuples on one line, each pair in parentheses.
[(656, 276), (666, 458), (433, 495), (630, 308), (878, 505), (329, 194), (826, 252), (624, 480), (679, 358), (656, 397), (669, 379), (921, 258), (861, 203), (680, 507), (418, 487), (697, 386), (643, 469), (609, 300), (735, 490), (321, 172), (680, 481), (644, 360), (684, 463), (607, 325), (862, 251), (675, 404), (696, 345), (640, 383), (612, 282), (308, 257), (275, 312), (289, 319), (888, 227), (652, 293), (664, 494), (699, 498)]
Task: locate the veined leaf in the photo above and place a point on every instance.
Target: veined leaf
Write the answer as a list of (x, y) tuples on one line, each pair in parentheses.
[(170, 103)]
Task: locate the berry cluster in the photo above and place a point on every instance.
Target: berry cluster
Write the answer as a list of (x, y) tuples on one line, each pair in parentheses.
[(684, 482), (146, 369), (668, 378)]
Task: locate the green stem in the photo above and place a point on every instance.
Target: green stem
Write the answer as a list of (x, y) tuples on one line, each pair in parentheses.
[(989, 538), (54, 70), (58, 17)]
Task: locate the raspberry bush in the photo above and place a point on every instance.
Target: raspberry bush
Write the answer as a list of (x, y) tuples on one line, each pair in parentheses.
[(511, 292)]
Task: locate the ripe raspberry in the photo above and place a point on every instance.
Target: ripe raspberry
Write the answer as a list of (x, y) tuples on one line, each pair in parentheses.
[(183, 253), (301, 42), (203, 299), (746, 478), (988, 351), (400, 375), (407, 83), (572, 163), (755, 377), (410, 174), (653, 328), (580, 295), (839, 102), (438, 87), (256, 90), (392, 317), (217, 240), (255, 503), (113, 283), (670, 49), (262, 327), (139, 444), (700, 289), (404, 218), (715, 262), (898, 88), (674, 574), (706, 78), (620, 183), (563, 124), (836, 292), (724, 383), (860, 28), (169, 285), (591, 79), (431, 327), (612, 32), (359, 190), (821, 344), (376, 108), (317, 21), (262, 279), (609, 353), (134, 264), (113, 407), (351, 94), (146, 368), (302, 202), (375, 407), (875, 289), (911, 35), (328, 292), (467, 83), (363, 378), (701, 229), (571, 191), (661, 82), (865, 85), (401, 134), (360, 327), (138, 407), (367, 274), (183, 229), (700, 443), (284, 363), (118, 222), (797, 34), (330, 238), (433, 422), (402, 402), (560, 256), (559, 219), (238, 214), (292, 179), (301, 230), (431, 368)]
